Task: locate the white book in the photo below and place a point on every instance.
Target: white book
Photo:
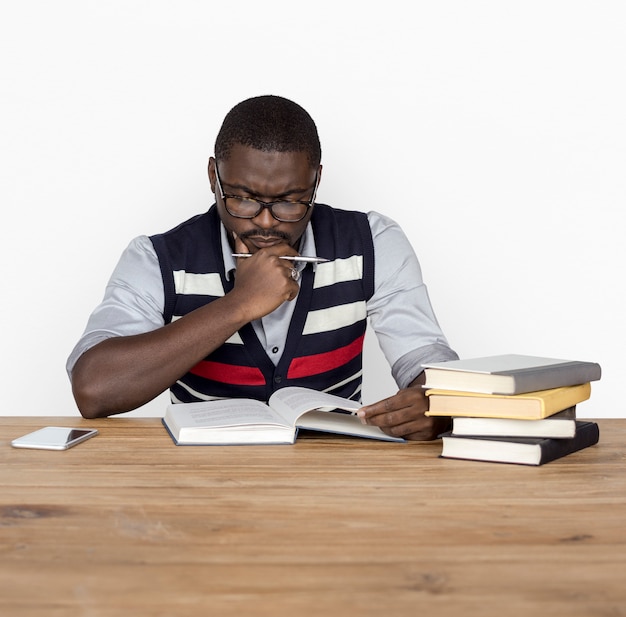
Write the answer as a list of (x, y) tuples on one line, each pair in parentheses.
[(558, 426)]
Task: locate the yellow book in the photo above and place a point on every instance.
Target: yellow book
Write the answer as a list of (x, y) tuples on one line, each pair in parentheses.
[(530, 406)]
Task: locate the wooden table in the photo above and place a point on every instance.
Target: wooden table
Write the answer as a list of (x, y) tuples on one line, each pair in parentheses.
[(129, 524)]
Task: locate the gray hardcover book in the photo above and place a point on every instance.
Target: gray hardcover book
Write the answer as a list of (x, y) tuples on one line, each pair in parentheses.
[(509, 374)]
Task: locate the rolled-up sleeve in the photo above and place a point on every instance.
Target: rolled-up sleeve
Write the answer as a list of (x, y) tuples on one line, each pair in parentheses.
[(133, 300), (400, 311)]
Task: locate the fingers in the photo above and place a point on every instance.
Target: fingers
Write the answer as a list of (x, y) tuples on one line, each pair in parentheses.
[(420, 428), (402, 415), (277, 257), (263, 281), (396, 409), (428, 430)]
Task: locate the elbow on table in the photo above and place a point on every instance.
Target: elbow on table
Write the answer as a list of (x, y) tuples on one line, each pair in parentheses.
[(90, 392), (89, 399)]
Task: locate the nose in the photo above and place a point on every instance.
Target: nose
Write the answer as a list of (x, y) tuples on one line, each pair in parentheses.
[(265, 220)]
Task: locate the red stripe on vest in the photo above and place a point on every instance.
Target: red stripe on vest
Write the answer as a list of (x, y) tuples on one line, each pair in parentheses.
[(305, 366), (229, 373)]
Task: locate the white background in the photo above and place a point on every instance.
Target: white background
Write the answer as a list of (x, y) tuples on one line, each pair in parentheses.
[(494, 131)]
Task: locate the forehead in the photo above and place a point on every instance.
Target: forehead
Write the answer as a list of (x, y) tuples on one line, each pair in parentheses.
[(267, 172)]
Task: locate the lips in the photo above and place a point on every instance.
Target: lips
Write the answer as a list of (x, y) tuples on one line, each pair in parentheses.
[(262, 242)]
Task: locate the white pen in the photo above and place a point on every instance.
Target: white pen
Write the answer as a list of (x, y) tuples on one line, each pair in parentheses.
[(296, 258)]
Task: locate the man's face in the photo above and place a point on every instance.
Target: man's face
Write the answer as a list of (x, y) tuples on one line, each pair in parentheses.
[(266, 176)]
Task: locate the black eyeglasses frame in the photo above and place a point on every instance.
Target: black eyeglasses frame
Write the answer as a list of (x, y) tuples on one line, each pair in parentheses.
[(266, 204)]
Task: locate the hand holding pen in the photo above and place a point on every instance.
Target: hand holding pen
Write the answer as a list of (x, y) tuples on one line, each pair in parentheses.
[(295, 273), (267, 280)]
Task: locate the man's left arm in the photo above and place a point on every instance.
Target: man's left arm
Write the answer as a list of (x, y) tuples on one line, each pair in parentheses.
[(401, 314)]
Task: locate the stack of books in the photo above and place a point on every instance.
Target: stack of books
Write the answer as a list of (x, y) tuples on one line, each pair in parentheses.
[(512, 408)]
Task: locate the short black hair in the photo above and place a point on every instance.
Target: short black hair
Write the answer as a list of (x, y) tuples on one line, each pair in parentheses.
[(272, 124)]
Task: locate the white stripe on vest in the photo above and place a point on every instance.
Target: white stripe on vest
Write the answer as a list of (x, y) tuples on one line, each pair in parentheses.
[(188, 283), (338, 271), (334, 317)]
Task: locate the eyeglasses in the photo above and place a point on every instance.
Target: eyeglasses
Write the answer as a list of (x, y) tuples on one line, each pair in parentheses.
[(248, 207)]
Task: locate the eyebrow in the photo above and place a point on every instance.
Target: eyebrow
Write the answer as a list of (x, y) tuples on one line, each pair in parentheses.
[(248, 190)]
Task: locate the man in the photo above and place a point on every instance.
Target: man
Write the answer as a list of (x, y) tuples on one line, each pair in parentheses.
[(181, 311)]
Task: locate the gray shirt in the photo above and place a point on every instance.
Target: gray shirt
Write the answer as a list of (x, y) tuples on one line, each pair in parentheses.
[(399, 311)]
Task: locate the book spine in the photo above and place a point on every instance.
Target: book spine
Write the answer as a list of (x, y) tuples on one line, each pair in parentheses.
[(587, 434), (560, 376)]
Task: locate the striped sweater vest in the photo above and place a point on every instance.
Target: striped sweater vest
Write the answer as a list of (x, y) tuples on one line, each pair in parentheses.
[(324, 344)]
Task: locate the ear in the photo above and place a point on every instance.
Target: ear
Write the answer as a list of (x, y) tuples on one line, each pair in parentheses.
[(211, 172)]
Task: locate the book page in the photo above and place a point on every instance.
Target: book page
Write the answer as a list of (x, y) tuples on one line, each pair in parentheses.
[(293, 401), (228, 412), (341, 423)]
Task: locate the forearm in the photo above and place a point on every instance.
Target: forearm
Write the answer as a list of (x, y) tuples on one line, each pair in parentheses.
[(123, 373)]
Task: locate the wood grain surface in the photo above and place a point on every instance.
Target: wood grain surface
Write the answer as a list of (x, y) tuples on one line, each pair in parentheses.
[(127, 523)]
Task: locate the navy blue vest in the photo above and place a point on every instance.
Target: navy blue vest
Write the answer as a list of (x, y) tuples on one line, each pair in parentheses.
[(324, 345)]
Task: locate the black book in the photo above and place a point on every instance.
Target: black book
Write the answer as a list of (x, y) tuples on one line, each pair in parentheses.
[(519, 450)]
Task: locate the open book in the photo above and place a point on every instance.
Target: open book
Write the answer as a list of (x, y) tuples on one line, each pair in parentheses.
[(247, 421)]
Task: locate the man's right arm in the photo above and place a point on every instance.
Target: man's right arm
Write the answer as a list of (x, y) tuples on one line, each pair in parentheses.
[(123, 372)]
